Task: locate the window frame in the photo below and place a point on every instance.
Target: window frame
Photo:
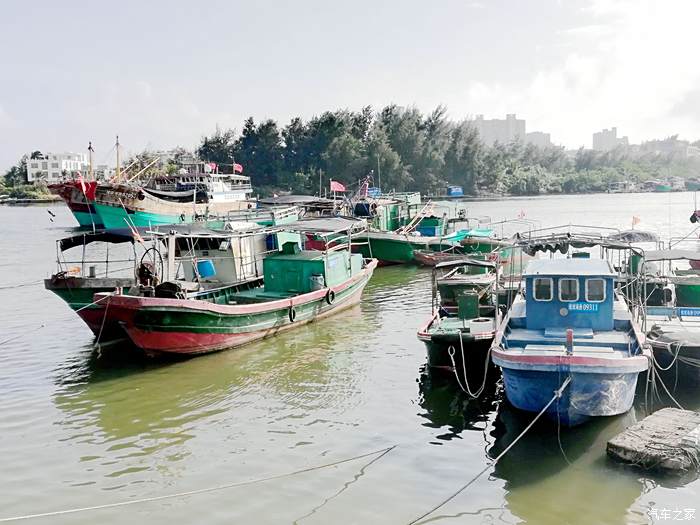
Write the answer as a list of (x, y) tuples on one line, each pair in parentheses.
[(578, 289), (551, 289), (605, 291)]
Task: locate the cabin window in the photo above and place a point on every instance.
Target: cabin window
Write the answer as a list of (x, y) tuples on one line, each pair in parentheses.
[(595, 290), (568, 290), (542, 289)]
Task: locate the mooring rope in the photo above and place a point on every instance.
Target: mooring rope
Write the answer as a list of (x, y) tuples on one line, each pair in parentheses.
[(557, 394), (451, 352), (42, 325), (235, 484)]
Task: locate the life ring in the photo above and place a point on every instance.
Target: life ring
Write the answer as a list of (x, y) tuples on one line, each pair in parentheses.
[(330, 296), (373, 207), (292, 314)]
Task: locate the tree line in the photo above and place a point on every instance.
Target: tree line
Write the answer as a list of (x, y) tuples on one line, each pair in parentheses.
[(410, 150)]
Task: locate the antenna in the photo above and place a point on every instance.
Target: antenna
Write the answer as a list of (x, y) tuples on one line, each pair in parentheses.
[(118, 173), (90, 151)]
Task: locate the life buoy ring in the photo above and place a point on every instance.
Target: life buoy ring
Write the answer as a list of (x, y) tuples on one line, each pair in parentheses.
[(373, 207), (330, 296), (292, 314)]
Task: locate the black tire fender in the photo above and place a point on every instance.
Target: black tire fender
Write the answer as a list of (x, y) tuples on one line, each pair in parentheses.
[(330, 296), (292, 314)]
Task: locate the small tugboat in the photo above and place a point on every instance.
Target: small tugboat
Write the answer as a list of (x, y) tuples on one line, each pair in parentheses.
[(297, 286), (570, 323), (459, 332)]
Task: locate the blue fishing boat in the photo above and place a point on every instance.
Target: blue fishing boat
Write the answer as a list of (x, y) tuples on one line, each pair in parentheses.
[(570, 322)]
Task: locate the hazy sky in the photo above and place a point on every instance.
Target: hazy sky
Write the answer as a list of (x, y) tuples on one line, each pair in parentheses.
[(163, 73)]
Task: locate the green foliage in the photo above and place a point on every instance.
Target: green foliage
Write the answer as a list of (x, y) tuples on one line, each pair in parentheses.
[(16, 175), (413, 151)]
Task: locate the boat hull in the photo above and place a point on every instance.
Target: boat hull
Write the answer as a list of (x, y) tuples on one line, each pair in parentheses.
[(79, 294), (80, 206), (596, 388), (190, 327)]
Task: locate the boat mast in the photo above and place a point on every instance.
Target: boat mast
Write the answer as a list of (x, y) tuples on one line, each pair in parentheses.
[(90, 150), (117, 175)]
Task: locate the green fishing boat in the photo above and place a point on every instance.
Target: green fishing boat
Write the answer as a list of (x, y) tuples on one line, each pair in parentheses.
[(297, 286), (462, 325)]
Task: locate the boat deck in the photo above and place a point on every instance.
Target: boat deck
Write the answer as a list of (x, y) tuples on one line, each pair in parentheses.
[(451, 325), (522, 337)]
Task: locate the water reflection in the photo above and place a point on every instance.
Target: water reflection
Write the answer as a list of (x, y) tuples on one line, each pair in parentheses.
[(124, 406)]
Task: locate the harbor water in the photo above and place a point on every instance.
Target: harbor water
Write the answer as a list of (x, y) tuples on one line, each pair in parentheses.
[(82, 428)]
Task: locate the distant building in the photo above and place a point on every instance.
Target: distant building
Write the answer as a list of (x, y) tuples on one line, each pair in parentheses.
[(50, 166), (539, 139), (607, 140), (497, 130)]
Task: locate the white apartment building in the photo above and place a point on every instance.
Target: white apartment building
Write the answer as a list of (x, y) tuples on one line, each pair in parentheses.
[(52, 165), (539, 139), (607, 140), (498, 130)]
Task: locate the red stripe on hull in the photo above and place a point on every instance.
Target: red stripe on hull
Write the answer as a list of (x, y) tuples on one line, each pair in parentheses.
[(190, 343)]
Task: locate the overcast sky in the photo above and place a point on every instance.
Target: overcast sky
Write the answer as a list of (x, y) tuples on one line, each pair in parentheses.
[(164, 73)]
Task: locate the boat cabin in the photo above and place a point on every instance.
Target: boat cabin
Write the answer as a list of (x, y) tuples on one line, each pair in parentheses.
[(569, 293), (302, 271)]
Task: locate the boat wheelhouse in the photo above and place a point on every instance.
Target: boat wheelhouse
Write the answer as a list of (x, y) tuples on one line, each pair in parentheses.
[(570, 323)]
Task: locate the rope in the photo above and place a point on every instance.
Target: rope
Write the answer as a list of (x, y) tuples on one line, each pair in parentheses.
[(451, 352), (192, 492), (557, 395), (42, 325), (21, 285)]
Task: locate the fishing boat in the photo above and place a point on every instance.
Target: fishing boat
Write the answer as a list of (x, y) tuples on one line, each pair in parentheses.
[(76, 281), (570, 323), (459, 332), (194, 196), (673, 323), (296, 286)]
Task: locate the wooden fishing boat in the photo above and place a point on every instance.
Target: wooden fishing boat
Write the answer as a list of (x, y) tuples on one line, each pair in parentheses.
[(297, 286), (570, 323), (462, 325), (124, 205)]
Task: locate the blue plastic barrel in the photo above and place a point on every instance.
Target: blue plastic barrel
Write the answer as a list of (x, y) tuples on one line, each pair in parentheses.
[(205, 268)]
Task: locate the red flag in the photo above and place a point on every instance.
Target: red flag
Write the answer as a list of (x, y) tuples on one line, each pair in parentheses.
[(336, 186), (237, 168), (635, 220)]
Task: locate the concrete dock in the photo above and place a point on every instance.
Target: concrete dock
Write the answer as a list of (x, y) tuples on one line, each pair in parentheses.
[(668, 439)]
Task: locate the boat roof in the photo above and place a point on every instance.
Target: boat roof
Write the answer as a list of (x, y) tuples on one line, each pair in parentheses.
[(326, 225), (114, 237), (466, 262), (569, 267), (301, 200), (671, 255)]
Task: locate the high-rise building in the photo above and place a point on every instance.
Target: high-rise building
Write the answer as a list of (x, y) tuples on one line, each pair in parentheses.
[(608, 140), (539, 139), (498, 130)]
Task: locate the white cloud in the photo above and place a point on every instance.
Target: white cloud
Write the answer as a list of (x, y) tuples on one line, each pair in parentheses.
[(633, 68)]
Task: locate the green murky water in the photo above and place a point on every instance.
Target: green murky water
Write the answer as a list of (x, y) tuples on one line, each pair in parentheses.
[(80, 429)]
